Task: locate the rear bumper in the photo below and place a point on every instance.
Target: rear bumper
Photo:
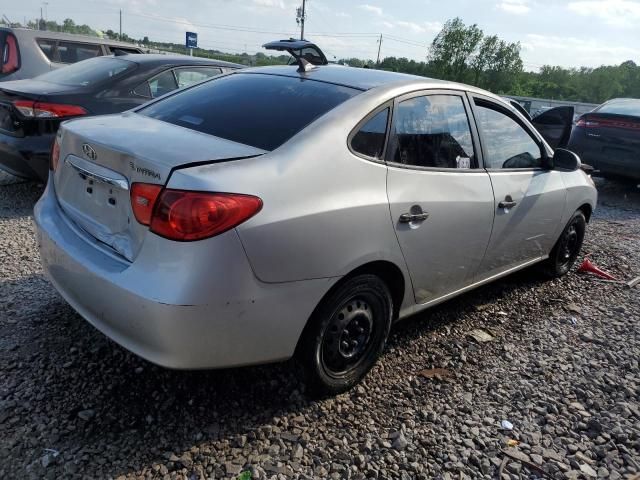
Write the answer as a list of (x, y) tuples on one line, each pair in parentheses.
[(176, 308), (26, 157)]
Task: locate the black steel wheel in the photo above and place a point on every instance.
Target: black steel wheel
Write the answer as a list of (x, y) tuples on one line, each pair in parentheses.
[(346, 335), (567, 248)]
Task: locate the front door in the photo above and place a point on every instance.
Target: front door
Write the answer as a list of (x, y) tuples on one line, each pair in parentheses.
[(441, 203), (529, 198), (555, 125)]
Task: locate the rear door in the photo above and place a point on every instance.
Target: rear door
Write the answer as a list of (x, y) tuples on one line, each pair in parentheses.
[(529, 199), (441, 202), (555, 125)]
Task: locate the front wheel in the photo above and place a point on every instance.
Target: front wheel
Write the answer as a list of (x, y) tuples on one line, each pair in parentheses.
[(566, 250), (346, 335)]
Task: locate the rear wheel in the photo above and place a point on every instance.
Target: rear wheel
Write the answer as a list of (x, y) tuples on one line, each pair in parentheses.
[(566, 250), (346, 335)]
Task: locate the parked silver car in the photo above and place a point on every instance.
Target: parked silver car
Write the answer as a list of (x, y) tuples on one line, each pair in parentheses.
[(26, 53), (269, 212)]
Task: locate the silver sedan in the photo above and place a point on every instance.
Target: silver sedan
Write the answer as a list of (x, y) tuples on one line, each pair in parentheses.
[(275, 212)]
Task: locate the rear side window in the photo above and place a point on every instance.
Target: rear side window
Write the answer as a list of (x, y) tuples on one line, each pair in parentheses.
[(89, 72), (626, 106), (72, 52), (263, 111), (117, 49), (188, 75), (369, 140), (10, 55), (48, 47), (433, 131)]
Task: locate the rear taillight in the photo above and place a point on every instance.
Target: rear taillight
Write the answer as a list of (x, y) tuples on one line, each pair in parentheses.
[(186, 216), (10, 57), (143, 198), (32, 109), (598, 122), (55, 154)]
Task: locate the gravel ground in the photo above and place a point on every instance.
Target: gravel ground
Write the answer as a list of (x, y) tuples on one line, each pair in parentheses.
[(562, 366)]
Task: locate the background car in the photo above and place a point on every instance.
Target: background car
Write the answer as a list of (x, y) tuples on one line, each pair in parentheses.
[(31, 110), (608, 138), (28, 53), (271, 212)]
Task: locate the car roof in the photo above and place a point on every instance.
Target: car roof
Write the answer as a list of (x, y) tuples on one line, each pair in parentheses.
[(360, 78), (47, 34), (159, 59), (368, 78)]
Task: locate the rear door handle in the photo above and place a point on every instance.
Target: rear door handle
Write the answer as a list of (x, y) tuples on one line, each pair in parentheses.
[(413, 217)]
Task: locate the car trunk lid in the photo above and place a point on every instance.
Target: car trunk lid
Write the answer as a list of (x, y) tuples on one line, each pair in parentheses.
[(616, 136), (11, 121), (102, 157), (25, 91)]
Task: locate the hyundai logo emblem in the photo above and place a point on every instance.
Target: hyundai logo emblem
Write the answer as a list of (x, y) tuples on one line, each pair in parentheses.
[(89, 151)]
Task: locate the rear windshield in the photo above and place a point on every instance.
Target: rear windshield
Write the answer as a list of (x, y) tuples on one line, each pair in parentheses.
[(88, 72), (263, 111), (621, 107)]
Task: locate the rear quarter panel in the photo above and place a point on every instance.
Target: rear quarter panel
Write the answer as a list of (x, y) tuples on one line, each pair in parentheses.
[(325, 210)]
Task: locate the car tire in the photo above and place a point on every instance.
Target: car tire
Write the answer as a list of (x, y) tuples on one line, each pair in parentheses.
[(567, 248), (345, 336)]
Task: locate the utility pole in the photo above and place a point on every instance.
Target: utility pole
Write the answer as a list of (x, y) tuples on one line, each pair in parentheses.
[(120, 36), (300, 17), (379, 47)]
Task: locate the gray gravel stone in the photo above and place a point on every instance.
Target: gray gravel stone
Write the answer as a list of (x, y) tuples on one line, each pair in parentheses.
[(557, 371)]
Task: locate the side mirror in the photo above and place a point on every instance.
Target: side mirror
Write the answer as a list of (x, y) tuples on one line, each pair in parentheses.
[(565, 160)]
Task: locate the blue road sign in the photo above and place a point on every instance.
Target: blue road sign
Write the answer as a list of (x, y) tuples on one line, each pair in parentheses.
[(192, 40)]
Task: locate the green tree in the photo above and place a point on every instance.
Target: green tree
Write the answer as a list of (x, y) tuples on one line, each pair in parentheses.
[(464, 54), (453, 49)]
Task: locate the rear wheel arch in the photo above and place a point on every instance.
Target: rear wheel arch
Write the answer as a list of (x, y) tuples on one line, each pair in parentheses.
[(390, 274), (387, 271), (586, 210)]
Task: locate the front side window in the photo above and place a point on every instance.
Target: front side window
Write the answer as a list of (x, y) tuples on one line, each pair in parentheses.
[(187, 76), (369, 140), (163, 83), (72, 52), (433, 131), (506, 143), (255, 109)]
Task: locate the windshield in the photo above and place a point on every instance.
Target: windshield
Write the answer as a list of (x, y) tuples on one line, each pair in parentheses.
[(88, 72), (263, 111)]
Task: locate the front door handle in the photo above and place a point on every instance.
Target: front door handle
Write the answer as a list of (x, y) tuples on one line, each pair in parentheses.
[(413, 217), (507, 202)]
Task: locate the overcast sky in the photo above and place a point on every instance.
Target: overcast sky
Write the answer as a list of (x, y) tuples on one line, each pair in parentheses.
[(557, 32)]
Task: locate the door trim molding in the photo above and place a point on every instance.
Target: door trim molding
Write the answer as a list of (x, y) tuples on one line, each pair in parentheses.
[(419, 307)]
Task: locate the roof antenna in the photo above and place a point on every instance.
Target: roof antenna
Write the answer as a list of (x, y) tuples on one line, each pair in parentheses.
[(304, 65)]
